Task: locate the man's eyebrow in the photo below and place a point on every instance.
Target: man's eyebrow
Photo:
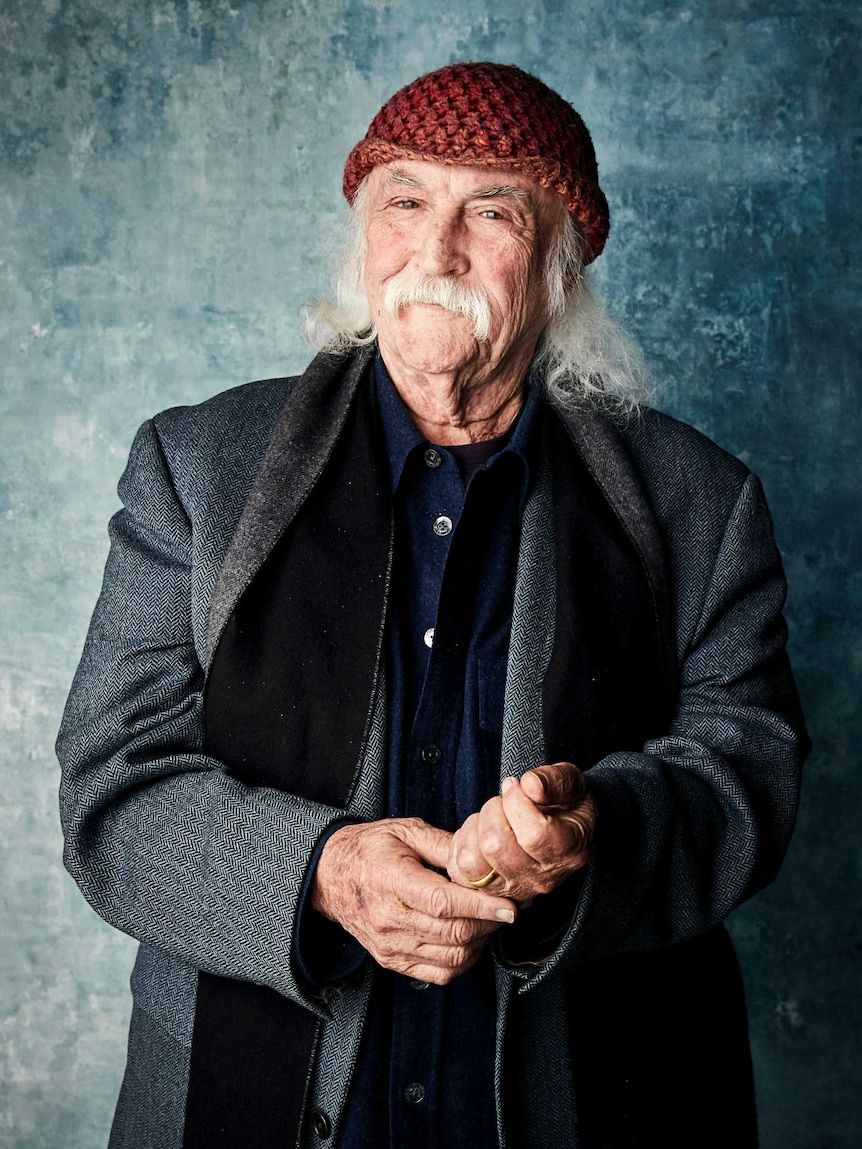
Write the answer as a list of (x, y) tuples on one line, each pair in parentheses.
[(398, 177), (500, 190)]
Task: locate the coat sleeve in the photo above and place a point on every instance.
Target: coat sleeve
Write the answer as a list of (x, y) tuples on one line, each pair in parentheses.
[(700, 819), (163, 842)]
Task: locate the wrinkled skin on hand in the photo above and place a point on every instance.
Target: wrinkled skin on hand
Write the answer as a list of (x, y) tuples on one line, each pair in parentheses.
[(535, 834), (374, 880)]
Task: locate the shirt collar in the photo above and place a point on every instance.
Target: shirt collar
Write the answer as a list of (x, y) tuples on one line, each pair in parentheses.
[(402, 435)]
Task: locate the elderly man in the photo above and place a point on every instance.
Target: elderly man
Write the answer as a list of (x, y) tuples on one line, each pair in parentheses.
[(435, 710)]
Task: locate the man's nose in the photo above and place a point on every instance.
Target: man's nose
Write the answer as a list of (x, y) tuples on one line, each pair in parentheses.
[(441, 250)]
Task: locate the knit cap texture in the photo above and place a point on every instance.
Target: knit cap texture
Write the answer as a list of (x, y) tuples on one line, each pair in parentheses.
[(494, 116)]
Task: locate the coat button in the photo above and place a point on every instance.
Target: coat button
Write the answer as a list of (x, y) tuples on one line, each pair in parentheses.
[(321, 1124), (431, 755), (432, 458), (414, 1094), (442, 526), (415, 983)]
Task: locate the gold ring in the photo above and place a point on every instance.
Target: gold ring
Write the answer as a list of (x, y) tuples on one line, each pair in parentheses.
[(481, 883)]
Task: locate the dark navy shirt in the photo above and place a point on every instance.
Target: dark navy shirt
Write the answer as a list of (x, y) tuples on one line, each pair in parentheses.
[(424, 1079)]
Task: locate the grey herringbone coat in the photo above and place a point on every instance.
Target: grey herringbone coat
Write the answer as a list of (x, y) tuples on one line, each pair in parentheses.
[(205, 870)]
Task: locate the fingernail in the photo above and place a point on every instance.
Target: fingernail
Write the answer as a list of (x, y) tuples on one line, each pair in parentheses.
[(507, 785), (507, 916)]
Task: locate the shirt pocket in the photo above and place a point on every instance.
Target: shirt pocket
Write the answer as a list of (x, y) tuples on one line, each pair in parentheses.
[(491, 673)]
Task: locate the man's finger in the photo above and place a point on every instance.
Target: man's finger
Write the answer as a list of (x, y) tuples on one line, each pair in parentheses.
[(443, 931), (435, 974), (546, 837), (431, 844), (429, 892), (555, 784), (466, 860), (498, 841)]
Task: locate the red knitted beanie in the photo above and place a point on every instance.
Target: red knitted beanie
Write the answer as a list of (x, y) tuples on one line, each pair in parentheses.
[(496, 116)]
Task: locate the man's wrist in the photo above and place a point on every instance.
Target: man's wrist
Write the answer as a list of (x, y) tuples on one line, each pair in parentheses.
[(323, 952)]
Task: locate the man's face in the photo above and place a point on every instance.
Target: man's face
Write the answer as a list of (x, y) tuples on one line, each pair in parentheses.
[(485, 228)]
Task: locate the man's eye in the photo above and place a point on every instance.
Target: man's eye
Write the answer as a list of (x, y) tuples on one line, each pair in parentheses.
[(406, 203), (489, 213)]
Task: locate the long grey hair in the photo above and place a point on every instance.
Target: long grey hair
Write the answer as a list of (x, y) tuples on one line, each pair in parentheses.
[(583, 354)]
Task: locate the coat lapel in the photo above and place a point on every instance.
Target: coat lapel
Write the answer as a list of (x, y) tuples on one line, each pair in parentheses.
[(302, 442), (591, 659), (598, 437), (294, 674)]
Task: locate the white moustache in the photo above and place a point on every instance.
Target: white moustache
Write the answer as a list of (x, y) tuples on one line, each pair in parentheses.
[(444, 291)]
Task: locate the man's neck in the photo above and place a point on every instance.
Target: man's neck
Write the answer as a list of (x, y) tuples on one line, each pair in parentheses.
[(453, 408)]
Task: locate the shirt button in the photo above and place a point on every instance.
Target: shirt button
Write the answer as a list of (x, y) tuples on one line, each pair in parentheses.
[(414, 1093), (431, 754), (428, 637), (321, 1124), (442, 526), (432, 458), (415, 983)]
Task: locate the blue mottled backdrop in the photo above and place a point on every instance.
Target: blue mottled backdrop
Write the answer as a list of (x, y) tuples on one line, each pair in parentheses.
[(169, 189)]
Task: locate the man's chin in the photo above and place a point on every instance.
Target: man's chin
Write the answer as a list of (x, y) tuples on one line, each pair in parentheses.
[(437, 356), (432, 339)]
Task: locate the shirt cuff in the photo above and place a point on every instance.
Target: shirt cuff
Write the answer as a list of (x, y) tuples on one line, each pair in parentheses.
[(324, 953)]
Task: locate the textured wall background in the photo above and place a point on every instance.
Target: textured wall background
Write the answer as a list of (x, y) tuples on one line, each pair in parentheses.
[(170, 181)]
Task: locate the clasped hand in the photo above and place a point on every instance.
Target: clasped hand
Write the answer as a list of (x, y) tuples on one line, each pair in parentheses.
[(380, 880), (534, 834)]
